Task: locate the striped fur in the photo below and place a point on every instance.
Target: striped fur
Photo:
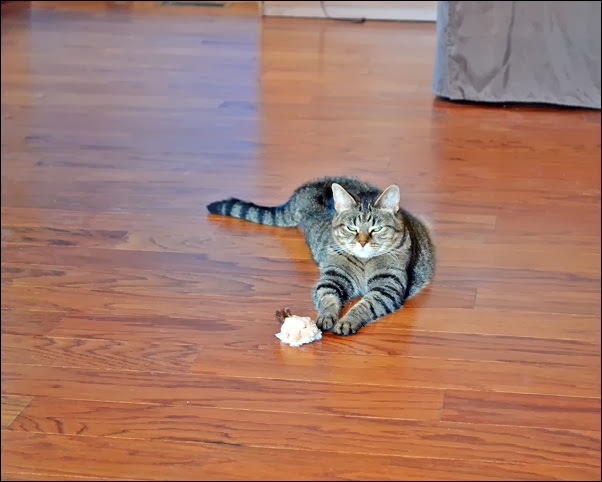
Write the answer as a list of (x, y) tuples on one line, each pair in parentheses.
[(364, 243)]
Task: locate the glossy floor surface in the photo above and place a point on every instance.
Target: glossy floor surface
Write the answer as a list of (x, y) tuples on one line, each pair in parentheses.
[(137, 330)]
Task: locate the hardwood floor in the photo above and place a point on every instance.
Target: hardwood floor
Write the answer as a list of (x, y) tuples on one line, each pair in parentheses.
[(137, 330)]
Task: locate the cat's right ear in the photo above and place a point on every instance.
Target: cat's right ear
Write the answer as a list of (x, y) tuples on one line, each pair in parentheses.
[(342, 199)]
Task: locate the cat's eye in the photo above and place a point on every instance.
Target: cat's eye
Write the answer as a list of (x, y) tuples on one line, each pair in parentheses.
[(376, 230), (353, 229)]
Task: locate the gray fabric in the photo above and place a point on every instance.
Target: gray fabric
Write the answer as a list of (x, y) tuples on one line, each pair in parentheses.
[(537, 52)]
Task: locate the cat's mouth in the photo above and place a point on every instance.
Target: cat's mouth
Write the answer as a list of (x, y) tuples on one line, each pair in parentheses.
[(355, 248), (364, 252)]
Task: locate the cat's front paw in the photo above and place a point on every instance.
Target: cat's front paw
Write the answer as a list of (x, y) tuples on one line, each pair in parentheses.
[(326, 322), (345, 328)]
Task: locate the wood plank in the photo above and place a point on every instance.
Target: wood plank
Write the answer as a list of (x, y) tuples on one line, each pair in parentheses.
[(28, 217), (497, 321), (532, 290), (271, 429), (161, 460), (12, 406), (234, 330), (27, 322), (42, 476), (551, 257), (381, 338), (294, 364), (98, 354), (45, 236), (108, 195), (483, 321), (582, 298), (153, 282), (261, 307), (93, 302), (141, 281), (191, 262), (522, 409), (224, 392), (562, 301), (378, 339)]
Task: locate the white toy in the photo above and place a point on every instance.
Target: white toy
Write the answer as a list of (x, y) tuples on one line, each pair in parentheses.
[(297, 330)]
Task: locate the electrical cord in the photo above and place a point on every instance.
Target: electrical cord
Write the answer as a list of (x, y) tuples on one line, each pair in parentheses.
[(327, 15), (354, 20)]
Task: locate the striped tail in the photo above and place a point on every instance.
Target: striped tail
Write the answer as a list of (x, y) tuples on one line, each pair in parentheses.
[(283, 215)]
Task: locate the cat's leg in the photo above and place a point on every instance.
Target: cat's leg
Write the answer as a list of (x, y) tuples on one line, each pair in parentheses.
[(334, 288), (386, 294)]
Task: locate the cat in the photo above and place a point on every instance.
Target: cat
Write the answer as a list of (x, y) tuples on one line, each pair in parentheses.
[(364, 243)]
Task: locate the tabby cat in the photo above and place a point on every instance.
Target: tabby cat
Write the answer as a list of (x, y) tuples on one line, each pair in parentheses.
[(362, 240)]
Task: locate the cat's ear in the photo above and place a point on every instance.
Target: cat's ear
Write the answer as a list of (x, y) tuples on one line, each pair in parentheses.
[(342, 199), (389, 199)]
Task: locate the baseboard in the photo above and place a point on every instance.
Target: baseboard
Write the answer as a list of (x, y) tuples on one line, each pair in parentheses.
[(381, 13)]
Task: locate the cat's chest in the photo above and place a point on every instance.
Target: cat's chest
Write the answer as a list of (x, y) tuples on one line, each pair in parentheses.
[(361, 272)]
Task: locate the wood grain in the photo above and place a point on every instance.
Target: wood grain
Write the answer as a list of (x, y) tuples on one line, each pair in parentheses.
[(43, 476), (140, 282), (403, 371), (389, 338), (138, 331), (44, 236), (262, 307), (271, 429), (11, 407), (521, 409), (227, 392), (26, 322), (415, 319), (154, 460), (97, 354)]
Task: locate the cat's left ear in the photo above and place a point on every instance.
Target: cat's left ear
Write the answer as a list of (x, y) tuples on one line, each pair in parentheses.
[(389, 199)]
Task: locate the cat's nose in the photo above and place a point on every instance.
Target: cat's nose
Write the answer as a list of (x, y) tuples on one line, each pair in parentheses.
[(363, 242)]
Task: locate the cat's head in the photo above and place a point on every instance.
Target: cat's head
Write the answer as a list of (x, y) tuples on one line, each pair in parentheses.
[(367, 231)]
